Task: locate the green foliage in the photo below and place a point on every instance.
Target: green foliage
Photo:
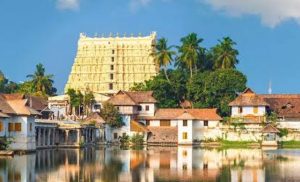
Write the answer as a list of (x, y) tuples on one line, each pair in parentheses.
[(111, 115), (137, 139), (290, 144), (125, 140), (272, 117), (42, 84), (4, 143), (283, 132)]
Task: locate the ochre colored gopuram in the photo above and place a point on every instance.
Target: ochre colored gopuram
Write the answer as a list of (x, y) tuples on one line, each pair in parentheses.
[(108, 64)]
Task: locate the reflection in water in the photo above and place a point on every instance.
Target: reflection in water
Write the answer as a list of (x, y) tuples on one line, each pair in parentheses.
[(182, 163)]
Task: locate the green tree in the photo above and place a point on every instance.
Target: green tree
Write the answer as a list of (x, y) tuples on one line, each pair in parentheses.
[(111, 115), (216, 89), (75, 100), (224, 54), (163, 55), (42, 83), (88, 100), (190, 53)]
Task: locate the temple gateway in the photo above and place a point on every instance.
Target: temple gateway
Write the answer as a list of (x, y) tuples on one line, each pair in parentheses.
[(106, 65)]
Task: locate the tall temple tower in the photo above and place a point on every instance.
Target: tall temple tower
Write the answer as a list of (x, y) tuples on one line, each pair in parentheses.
[(108, 64)]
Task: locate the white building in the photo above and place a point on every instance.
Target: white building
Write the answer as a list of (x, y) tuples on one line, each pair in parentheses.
[(177, 126)]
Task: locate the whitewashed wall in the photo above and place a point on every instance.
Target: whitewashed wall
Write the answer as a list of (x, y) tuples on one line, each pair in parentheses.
[(150, 112), (247, 110), (188, 129)]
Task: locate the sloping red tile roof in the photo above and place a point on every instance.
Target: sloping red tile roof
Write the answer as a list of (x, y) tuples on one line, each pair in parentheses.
[(163, 134), (200, 114), (137, 127), (37, 103), (132, 98), (270, 129), (248, 98), (94, 117)]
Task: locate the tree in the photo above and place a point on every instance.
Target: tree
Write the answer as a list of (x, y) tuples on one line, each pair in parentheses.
[(216, 89), (163, 55), (224, 54), (190, 53), (111, 115), (74, 100), (42, 84), (88, 100)]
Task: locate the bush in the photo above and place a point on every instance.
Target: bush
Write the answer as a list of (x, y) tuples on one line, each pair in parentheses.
[(137, 139), (4, 143), (124, 140)]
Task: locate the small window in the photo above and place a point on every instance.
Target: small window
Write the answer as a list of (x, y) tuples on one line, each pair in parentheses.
[(184, 135), (118, 108), (255, 109), (18, 127), (147, 108), (111, 87), (97, 106), (184, 123), (205, 123), (184, 167), (240, 110), (113, 51), (139, 108), (124, 134), (115, 135), (11, 127), (184, 153), (147, 122), (112, 59), (205, 166), (111, 76), (111, 67), (165, 123), (1, 126)]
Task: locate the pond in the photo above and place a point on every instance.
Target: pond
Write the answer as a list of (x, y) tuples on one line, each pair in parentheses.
[(183, 163)]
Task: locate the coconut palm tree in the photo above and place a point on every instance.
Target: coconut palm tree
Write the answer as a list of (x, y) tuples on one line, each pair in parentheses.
[(190, 52), (43, 84), (224, 55), (163, 55)]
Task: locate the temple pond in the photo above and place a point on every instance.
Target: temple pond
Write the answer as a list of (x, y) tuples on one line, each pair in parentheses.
[(183, 163)]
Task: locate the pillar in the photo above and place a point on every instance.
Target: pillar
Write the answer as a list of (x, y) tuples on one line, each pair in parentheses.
[(66, 136), (53, 136), (38, 132), (78, 136), (49, 136), (44, 137)]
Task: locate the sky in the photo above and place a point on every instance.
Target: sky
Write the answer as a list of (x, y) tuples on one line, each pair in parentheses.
[(267, 33)]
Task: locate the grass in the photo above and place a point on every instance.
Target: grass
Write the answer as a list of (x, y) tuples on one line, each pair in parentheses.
[(290, 144), (238, 144)]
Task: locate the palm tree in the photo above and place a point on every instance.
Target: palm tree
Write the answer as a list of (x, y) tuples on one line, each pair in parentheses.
[(224, 55), (190, 52), (42, 83), (163, 55)]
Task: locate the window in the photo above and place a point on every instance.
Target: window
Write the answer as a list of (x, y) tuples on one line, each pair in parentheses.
[(111, 87), (111, 76), (184, 123), (97, 106), (1, 126), (255, 109), (18, 127), (11, 127), (147, 122), (147, 108), (113, 51), (124, 134), (205, 123), (112, 59), (184, 167), (240, 110), (115, 135), (184, 153), (165, 122), (139, 108), (30, 127), (184, 135), (111, 67), (14, 127), (205, 166)]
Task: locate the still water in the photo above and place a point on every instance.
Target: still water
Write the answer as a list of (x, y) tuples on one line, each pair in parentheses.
[(153, 164)]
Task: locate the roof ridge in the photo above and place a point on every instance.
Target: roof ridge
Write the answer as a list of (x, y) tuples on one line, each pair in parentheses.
[(130, 96)]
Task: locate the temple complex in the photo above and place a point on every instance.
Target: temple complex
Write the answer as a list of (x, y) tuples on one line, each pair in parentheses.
[(106, 65)]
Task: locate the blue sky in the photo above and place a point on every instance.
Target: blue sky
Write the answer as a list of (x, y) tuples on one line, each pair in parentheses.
[(47, 31)]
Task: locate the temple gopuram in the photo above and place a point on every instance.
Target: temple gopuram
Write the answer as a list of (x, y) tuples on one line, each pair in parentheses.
[(106, 65)]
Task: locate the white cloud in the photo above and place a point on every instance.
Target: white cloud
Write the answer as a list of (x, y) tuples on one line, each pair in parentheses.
[(136, 4), (271, 12), (68, 4)]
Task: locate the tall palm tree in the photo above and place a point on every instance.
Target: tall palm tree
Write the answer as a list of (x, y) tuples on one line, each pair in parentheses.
[(190, 52), (42, 83), (224, 55), (163, 55)]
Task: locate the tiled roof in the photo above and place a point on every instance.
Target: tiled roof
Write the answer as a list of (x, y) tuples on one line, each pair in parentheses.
[(248, 98), (37, 103), (285, 105), (15, 104), (163, 134), (200, 114), (132, 98), (270, 129), (94, 117), (137, 127)]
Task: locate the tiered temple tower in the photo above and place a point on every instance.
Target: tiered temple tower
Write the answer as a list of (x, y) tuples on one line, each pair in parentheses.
[(109, 64)]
